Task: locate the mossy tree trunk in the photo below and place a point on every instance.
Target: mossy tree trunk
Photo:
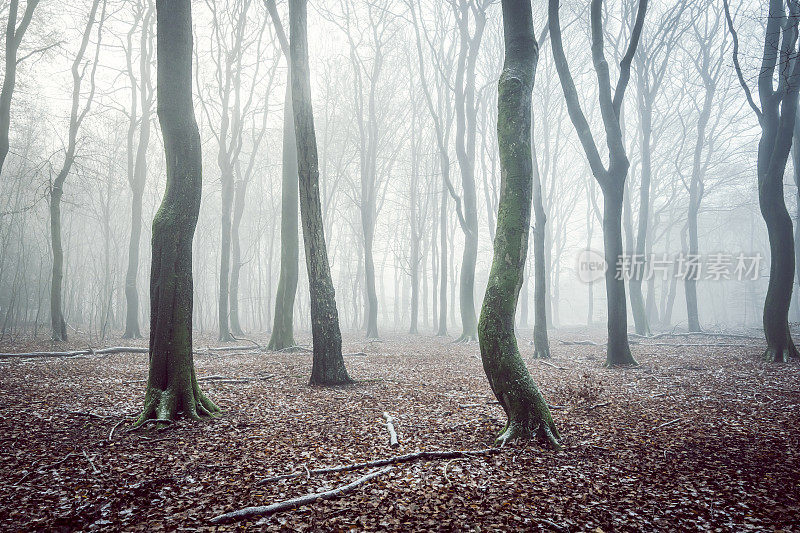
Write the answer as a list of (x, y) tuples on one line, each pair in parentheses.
[(527, 412), (283, 326), (777, 120), (172, 386), (328, 365)]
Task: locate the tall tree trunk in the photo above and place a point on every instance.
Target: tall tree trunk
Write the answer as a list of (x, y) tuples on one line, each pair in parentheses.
[(527, 411), (371, 295), (466, 124), (611, 179), (137, 178), (695, 197), (57, 322), (635, 284), (225, 249), (328, 365), (239, 195), (541, 344), (14, 35), (777, 119), (57, 187), (283, 327), (796, 173), (618, 351), (172, 385), (441, 331)]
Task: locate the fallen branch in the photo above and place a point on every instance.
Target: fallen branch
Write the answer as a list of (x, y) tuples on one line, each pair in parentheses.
[(235, 379), (43, 469), (581, 343), (77, 353), (553, 525), (698, 334), (295, 349), (249, 512), (89, 414), (225, 348), (218, 379), (595, 406), (111, 433), (665, 424), (551, 365), (393, 442), (355, 354), (94, 468), (432, 455)]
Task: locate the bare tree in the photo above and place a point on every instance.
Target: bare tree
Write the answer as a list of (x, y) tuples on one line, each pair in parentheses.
[(776, 116), (77, 116), (328, 365), (283, 327), (137, 159), (14, 36), (611, 179)]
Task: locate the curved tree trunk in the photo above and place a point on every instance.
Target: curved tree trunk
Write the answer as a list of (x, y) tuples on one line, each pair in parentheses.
[(777, 120), (172, 386), (776, 139), (328, 365), (527, 411)]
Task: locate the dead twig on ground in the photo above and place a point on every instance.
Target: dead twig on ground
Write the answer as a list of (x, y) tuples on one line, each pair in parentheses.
[(665, 424), (249, 512), (393, 442), (432, 455), (76, 353)]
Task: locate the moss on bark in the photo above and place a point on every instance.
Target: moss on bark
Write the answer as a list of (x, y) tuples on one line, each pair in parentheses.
[(528, 414)]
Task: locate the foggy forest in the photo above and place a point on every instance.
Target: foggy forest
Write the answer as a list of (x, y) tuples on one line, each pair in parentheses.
[(407, 265)]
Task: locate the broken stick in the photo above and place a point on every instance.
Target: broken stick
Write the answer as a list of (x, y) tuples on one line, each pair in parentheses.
[(407, 458), (393, 442), (249, 512)]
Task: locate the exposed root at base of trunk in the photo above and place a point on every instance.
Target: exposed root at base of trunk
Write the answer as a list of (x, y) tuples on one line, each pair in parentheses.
[(544, 432), (775, 355), (167, 404), (542, 354)]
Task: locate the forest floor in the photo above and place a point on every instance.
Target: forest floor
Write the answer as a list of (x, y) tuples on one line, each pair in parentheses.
[(703, 435)]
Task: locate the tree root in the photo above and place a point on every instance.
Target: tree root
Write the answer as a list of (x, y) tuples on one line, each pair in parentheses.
[(165, 405), (545, 432)]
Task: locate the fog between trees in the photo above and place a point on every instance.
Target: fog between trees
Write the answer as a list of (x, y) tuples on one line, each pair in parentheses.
[(404, 98)]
